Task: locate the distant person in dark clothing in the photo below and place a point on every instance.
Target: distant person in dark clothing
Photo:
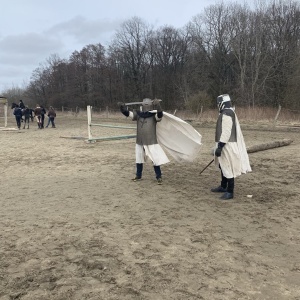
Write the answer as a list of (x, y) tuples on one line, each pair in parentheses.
[(21, 104), (38, 115), (43, 112), (18, 115), (51, 117), (28, 114)]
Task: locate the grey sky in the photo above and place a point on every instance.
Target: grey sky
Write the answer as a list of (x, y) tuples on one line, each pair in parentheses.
[(32, 30)]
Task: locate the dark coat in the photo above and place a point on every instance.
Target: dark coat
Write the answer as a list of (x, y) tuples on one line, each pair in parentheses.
[(51, 113), (18, 112)]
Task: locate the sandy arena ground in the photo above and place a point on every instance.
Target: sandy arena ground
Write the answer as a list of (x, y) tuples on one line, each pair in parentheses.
[(74, 226)]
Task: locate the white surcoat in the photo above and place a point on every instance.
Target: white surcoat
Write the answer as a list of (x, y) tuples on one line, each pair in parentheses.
[(234, 159)]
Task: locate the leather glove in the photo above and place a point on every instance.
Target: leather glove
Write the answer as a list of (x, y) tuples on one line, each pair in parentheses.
[(156, 104), (122, 106), (218, 152)]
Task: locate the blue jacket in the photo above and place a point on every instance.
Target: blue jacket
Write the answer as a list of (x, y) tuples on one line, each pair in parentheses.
[(18, 112)]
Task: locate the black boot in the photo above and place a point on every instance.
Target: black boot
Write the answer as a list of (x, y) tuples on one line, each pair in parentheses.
[(223, 187), (230, 187), (218, 189), (226, 196)]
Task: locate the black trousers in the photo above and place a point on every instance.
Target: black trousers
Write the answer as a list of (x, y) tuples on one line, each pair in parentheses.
[(227, 183), (18, 120), (139, 171)]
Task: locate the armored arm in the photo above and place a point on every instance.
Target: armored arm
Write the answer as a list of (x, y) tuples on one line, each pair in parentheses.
[(227, 124), (123, 109), (218, 151), (156, 105)]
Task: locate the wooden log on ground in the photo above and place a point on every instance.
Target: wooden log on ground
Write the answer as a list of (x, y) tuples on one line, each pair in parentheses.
[(270, 145)]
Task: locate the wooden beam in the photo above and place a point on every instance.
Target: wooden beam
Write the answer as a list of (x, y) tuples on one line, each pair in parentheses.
[(269, 145)]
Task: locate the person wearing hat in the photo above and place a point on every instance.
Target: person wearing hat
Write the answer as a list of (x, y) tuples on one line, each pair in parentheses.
[(231, 155), (146, 139)]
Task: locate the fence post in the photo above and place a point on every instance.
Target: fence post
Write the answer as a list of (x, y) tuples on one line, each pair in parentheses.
[(89, 117), (5, 115), (199, 114), (277, 115), (4, 101), (90, 124)]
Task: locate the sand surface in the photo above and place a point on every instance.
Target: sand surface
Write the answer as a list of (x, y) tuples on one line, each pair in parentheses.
[(74, 226)]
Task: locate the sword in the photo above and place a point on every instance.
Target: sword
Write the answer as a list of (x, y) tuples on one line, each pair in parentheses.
[(136, 103), (133, 103), (207, 166)]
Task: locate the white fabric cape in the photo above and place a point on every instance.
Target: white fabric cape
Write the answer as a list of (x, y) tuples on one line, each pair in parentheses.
[(154, 152), (234, 159), (181, 140)]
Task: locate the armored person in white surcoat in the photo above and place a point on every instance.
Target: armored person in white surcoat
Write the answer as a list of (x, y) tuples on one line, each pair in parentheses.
[(146, 139), (231, 154)]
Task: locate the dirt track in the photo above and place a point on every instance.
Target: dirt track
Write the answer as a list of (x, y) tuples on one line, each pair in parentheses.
[(74, 226)]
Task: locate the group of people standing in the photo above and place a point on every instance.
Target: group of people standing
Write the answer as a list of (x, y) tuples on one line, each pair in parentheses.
[(38, 113), (230, 152)]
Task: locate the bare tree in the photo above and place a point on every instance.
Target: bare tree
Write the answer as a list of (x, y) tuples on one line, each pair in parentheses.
[(214, 32), (170, 50), (132, 47), (283, 18), (252, 54)]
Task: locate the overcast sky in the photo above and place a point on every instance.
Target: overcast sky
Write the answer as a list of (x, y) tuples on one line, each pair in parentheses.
[(32, 30)]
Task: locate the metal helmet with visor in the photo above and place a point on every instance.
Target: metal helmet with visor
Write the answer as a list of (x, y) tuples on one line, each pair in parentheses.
[(223, 101), (147, 105)]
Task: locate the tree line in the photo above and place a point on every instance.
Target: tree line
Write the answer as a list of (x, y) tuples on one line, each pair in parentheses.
[(251, 54)]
